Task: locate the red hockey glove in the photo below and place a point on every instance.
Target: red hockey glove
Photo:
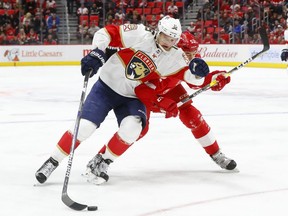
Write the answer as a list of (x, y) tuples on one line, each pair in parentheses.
[(147, 96), (168, 106), (220, 77), (155, 103)]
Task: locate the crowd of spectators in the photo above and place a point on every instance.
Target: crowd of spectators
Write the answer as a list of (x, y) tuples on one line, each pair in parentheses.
[(119, 12), (217, 21), (238, 21), (28, 22)]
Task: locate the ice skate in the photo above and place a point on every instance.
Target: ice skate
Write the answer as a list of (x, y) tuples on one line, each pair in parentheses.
[(223, 161), (46, 169), (96, 172)]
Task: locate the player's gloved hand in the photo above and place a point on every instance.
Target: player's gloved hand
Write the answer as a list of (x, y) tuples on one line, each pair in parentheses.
[(149, 97), (93, 61), (168, 106), (284, 55), (220, 77), (199, 67)]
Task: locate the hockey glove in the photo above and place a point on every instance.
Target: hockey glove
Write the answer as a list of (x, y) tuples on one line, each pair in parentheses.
[(220, 77), (93, 61), (168, 106), (284, 55), (199, 67), (155, 103)]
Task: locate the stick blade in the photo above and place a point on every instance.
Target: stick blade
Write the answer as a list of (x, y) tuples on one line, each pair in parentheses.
[(72, 204)]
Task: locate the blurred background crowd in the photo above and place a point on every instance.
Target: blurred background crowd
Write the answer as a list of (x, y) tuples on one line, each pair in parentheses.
[(50, 22)]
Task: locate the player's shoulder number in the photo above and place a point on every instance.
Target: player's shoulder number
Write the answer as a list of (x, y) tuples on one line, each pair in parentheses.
[(129, 27)]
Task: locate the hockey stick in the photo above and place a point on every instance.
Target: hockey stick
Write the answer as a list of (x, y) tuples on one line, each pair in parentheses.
[(65, 198), (266, 46)]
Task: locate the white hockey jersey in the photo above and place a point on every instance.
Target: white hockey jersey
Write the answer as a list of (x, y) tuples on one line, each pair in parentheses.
[(141, 60)]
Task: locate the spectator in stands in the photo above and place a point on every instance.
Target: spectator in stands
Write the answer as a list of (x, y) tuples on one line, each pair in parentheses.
[(191, 28), (26, 25), (136, 18), (129, 16), (142, 3), (208, 39), (22, 38), (82, 29), (7, 5), (38, 24), (51, 6), (215, 20), (99, 4), (94, 10), (93, 29), (250, 13), (228, 27), (9, 30), (32, 37), (152, 24), (117, 20), (110, 5), (49, 40), (237, 27), (54, 35), (119, 13), (82, 10), (83, 36), (27, 18), (53, 22), (121, 3), (224, 6), (30, 7), (3, 39), (172, 10), (133, 3), (208, 14), (14, 40), (88, 4), (224, 18), (109, 20), (110, 14), (2, 30), (257, 39), (247, 39), (15, 20)]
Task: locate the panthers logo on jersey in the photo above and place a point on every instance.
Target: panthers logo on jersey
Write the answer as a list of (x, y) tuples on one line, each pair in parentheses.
[(139, 66)]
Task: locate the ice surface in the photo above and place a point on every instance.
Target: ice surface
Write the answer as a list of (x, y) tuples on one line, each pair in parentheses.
[(167, 173)]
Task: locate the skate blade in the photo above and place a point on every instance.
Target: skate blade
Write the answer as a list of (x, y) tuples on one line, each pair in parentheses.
[(236, 170), (91, 178), (96, 180)]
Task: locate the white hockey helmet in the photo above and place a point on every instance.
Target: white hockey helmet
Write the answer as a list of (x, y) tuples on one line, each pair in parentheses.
[(170, 26)]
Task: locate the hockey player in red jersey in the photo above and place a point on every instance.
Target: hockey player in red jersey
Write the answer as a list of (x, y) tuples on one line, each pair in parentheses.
[(190, 116), (147, 56)]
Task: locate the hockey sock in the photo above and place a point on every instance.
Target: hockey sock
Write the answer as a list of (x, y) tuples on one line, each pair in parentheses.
[(115, 147), (64, 146), (205, 137)]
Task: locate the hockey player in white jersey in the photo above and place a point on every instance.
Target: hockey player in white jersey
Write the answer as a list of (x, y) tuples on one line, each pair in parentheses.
[(147, 56)]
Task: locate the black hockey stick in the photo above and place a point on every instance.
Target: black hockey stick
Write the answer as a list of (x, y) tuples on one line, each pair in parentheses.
[(65, 198), (266, 46)]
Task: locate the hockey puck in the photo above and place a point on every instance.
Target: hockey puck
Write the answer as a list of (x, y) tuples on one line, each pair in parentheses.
[(92, 208)]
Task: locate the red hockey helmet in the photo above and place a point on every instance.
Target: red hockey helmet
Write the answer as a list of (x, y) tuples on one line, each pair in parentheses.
[(188, 43)]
